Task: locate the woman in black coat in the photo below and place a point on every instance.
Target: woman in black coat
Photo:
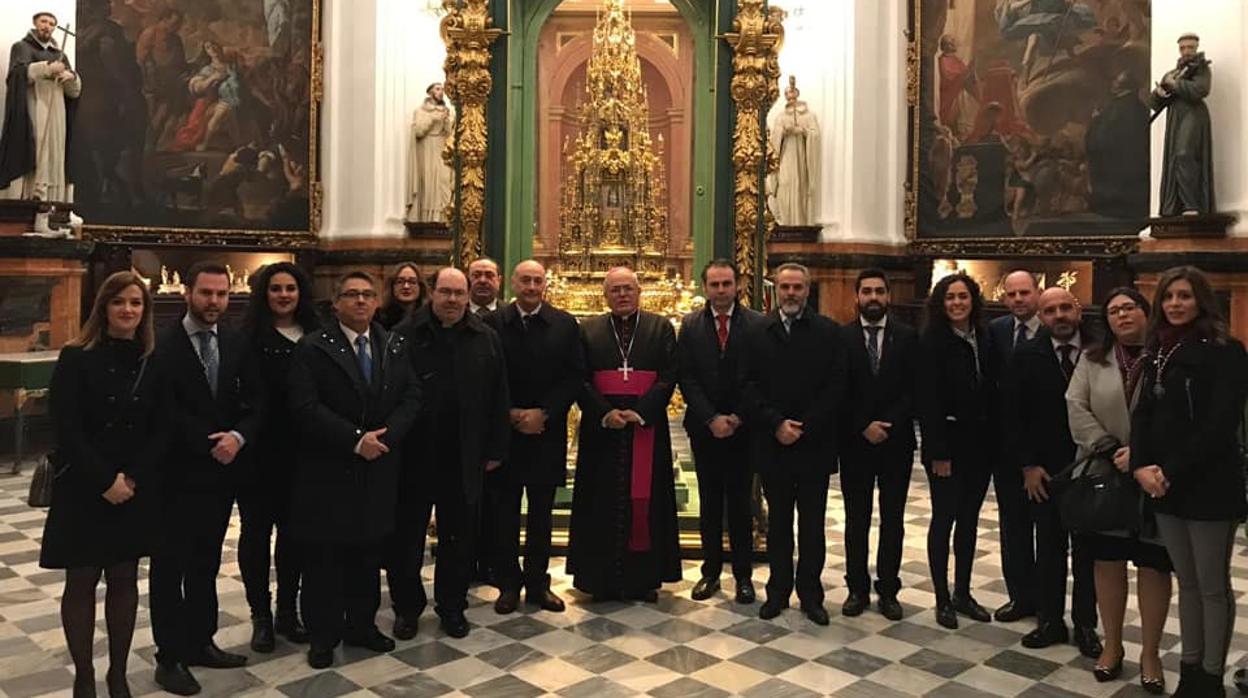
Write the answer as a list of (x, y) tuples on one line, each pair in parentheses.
[(105, 414), (406, 291), (957, 405), (279, 313), (1185, 454)]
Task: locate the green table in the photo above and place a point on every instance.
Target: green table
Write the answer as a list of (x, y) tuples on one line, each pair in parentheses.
[(26, 375)]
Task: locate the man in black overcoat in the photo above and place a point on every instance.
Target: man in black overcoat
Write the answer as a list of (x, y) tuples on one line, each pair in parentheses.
[(545, 372), (353, 398), (711, 348), (215, 402), (877, 443), (462, 435), (795, 382), (1039, 436)]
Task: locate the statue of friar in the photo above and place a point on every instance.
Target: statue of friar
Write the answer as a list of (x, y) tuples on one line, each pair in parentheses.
[(794, 133), (1187, 167), (428, 176), (34, 141)]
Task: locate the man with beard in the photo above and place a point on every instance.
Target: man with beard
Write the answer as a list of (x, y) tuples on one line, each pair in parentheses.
[(623, 542), (795, 381), (1018, 539), (215, 402), (462, 436), (711, 348), (545, 372), (877, 443), (1039, 436)]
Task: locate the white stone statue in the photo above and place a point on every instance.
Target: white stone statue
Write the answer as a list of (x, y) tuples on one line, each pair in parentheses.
[(429, 179), (793, 191)]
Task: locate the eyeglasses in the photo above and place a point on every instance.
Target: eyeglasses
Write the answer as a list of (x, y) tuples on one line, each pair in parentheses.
[(357, 295), (404, 281), (1122, 309)]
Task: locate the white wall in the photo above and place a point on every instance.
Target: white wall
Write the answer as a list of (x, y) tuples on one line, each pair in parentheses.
[(15, 16), (1221, 25)]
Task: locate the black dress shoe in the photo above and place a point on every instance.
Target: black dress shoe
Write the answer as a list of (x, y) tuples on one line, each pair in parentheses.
[(1047, 634), (855, 604), (970, 608), (745, 592), (705, 588), (288, 626), (118, 686), (404, 627), (213, 657), (262, 639), (1012, 612), (545, 599), (507, 602), (890, 608), (816, 613), (1088, 642), (176, 679), (946, 616), (770, 609), (454, 623), (373, 640), (320, 657)]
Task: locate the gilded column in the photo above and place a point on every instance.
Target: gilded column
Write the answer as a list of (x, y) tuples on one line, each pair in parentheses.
[(468, 36)]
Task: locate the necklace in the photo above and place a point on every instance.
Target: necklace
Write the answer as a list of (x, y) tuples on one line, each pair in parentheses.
[(1159, 390), (619, 346)]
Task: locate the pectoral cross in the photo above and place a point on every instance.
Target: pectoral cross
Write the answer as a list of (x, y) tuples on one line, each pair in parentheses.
[(625, 369)]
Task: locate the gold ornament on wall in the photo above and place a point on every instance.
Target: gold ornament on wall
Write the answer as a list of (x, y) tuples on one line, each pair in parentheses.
[(467, 32), (757, 36)]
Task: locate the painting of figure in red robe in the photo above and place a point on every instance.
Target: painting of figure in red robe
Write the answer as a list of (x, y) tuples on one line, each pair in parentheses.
[(199, 115), (1032, 118)]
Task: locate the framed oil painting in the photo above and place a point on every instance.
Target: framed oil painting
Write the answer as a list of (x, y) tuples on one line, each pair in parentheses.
[(1028, 118), (198, 120)]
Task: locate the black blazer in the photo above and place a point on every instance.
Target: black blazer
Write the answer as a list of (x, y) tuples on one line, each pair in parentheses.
[(275, 457), (887, 396), (1034, 401), (546, 369), (798, 376), (339, 496), (193, 412), (711, 381), (1192, 431), (957, 405)]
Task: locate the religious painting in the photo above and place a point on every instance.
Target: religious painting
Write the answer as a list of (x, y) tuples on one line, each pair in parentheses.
[(198, 118), (1028, 118)]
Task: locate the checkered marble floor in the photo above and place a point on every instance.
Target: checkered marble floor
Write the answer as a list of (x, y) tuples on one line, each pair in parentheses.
[(676, 648)]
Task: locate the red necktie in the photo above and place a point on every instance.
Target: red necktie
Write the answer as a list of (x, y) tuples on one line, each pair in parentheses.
[(722, 331)]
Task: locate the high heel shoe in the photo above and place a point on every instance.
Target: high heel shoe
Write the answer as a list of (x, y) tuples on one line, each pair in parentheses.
[(1107, 674), (1155, 686)]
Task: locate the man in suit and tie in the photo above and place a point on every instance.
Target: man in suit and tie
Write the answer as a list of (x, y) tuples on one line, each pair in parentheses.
[(215, 403), (1039, 434), (545, 372), (1018, 557), (877, 443), (711, 351), (795, 382), (484, 282), (353, 398)]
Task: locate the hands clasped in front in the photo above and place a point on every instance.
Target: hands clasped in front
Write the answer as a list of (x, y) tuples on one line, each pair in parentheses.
[(618, 419)]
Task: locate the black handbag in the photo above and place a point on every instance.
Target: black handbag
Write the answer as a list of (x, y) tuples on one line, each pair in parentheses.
[(1093, 496)]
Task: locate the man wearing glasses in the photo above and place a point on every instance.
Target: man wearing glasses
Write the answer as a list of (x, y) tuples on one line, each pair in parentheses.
[(354, 397)]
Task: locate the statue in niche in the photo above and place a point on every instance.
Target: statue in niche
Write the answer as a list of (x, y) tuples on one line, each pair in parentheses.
[(1187, 167), (428, 176), (794, 134)]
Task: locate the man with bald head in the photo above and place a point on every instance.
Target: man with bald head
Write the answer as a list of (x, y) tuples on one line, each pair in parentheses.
[(545, 372), (1038, 432), (461, 435), (623, 542)]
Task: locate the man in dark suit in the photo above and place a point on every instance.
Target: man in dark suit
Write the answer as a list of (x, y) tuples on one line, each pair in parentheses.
[(1018, 536), (711, 350), (877, 443), (462, 435), (215, 402), (795, 381), (484, 281), (545, 372), (353, 398), (1041, 442)]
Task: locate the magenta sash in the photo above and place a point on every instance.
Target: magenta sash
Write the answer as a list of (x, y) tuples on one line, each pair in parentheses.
[(612, 383)]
